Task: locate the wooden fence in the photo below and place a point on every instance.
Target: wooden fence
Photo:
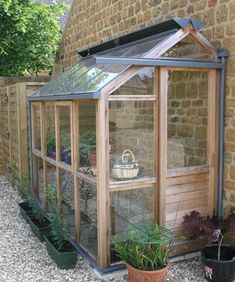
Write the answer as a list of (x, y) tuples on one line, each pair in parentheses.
[(14, 120)]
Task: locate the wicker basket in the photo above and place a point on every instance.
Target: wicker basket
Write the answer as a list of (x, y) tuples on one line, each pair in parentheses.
[(126, 167)]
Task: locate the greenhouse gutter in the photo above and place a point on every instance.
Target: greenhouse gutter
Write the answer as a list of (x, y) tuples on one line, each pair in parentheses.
[(67, 97), (221, 54), (158, 62)]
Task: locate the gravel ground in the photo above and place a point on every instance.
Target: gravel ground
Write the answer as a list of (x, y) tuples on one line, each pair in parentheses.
[(24, 258)]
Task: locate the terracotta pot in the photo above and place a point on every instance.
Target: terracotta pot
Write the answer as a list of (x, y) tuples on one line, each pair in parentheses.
[(137, 275), (92, 157)]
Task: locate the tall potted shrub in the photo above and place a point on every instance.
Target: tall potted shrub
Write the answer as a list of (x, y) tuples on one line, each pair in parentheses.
[(145, 250), (218, 259), (58, 246)]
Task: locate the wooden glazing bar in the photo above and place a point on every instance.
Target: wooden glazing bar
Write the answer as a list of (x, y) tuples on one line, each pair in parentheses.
[(90, 179), (102, 191), (132, 184), (132, 187), (162, 143), (75, 162), (212, 137), (187, 170)]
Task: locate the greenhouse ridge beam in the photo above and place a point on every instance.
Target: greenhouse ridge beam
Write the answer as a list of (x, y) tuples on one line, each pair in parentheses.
[(170, 24), (158, 62)]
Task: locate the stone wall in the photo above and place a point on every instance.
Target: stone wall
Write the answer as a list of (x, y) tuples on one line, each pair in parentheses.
[(91, 22)]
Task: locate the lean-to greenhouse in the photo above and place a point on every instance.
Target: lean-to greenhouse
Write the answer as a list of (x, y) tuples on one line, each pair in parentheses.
[(129, 134)]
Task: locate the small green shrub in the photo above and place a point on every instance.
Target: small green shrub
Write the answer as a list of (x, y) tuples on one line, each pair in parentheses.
[(51, 140), (56, 218), (145, 247)]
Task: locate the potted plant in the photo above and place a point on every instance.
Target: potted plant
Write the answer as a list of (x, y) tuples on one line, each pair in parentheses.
[(66, 147), (58, 246), (145, 250), (22, 184), (38, 223), (218, 259), (88, 148)]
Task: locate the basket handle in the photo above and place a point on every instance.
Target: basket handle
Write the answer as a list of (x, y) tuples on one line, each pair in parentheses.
[(126, 153)]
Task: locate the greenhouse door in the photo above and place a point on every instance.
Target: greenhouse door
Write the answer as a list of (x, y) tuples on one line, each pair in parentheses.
[(187, 146)]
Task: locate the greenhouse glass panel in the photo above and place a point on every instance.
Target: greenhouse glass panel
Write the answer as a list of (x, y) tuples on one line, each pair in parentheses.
[(187, 118), (131, 137), (38, 180), (131, 207), (51, 174), (67, 196), (64, 77), (140, 84), (87, 138), (65, 134), (88, 214), (36, 127), (188, 48), (102, 79), (143, 48), (50, 129), (84, 78)]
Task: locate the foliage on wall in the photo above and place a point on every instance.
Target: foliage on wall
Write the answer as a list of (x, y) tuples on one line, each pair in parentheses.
[(29, 36)]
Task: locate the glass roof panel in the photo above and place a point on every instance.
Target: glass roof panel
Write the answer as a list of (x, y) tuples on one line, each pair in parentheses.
[(83, 79), (54, 81), (145, 47), (75, 73), (102, 79)]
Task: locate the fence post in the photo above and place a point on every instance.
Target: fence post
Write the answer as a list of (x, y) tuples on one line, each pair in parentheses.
[(21, 94)]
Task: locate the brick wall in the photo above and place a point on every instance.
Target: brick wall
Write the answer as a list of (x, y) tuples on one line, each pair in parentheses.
[(91, 22)]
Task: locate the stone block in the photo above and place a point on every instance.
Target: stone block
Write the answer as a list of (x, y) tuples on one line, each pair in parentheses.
[(232, 172), (201, 132), (184, 130), (221, 14), (230, 135)]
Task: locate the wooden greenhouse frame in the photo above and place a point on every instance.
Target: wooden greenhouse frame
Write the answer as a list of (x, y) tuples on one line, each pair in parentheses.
[(192, 186)]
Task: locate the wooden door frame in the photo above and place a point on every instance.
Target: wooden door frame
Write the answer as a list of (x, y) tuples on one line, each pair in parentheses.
[(212, 140)]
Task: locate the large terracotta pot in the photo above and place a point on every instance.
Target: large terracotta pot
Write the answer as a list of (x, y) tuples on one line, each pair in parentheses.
[(137, 275)]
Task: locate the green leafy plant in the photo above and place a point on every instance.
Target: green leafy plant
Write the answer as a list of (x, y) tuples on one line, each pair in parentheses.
[(56, 218), (51, 140), (29, 36), (145, 247), (23, 187), (66, 140), (87, 143)]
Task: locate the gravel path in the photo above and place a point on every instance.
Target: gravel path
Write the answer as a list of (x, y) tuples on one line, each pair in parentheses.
[(24, 258)]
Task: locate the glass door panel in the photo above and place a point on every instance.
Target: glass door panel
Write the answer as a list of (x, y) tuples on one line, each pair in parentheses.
[(187, 128)]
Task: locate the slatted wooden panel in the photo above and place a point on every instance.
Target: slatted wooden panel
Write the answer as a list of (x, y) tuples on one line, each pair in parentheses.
[(14, 134), (183, 195)]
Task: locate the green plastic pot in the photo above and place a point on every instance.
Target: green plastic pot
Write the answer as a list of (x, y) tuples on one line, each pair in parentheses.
[(39, 229), (65, 259), (25, 210)]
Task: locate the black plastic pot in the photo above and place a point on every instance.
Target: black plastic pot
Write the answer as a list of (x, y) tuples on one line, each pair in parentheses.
[(219, 271), (65, 258), (40, 229), (25, 210)]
